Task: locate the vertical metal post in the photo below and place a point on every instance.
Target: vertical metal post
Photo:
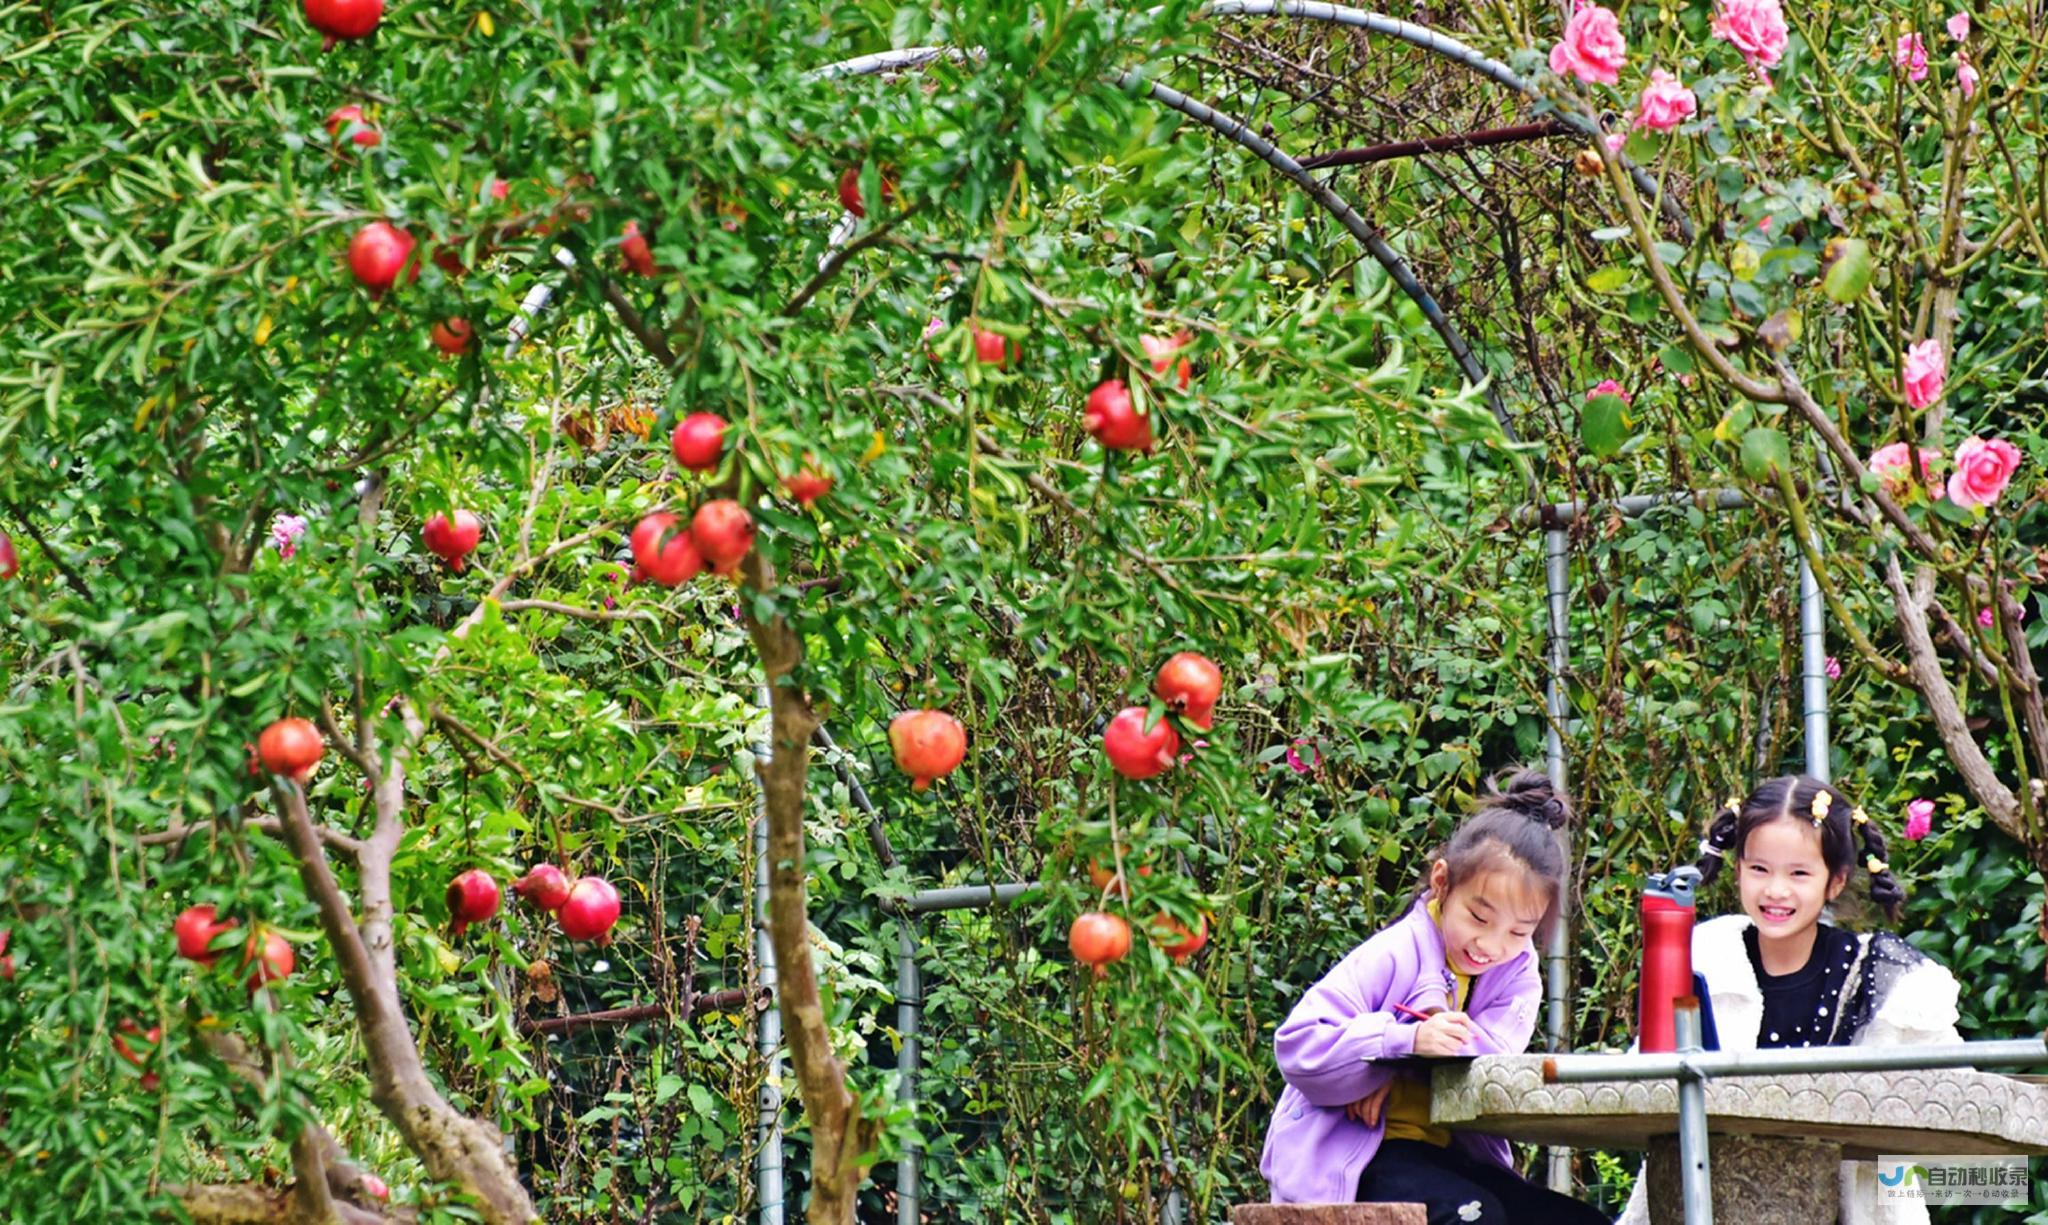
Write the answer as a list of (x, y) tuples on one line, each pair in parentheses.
[(909, 1008), (1813, 669), (768, 1157), (1696, 1190), (1557, 585)]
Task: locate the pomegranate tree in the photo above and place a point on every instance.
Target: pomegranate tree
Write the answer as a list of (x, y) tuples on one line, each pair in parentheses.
[(291, 747), (1135, 752), (698, 441), (590, 910), (664, 551), (1097, 939), (928, 744), (544, 885), (472, 898), (378, 253), (724, 531), (195, 929), (1189, 684), (452, 539), (1114, 420)]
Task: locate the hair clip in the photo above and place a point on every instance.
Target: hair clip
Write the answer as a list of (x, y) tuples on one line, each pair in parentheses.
[(1878, 867), (1859, 816), (1822, 802), (1708, 848)]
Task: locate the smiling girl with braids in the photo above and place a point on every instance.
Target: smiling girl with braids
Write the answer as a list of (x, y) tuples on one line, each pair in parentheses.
[(1779, 976)]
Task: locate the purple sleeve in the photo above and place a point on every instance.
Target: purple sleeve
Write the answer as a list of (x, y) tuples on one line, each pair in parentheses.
[(1327, 1046), (1505, 1025)]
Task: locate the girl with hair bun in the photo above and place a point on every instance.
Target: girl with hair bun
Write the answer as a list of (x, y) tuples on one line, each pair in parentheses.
[(1779, 976), (1455, 976)]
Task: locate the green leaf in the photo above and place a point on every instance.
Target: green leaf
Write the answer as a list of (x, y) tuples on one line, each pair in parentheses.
[(1609, 279), (1765, 451), (1603, 424)]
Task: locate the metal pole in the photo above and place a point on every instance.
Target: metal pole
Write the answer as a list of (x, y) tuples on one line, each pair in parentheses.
[(1781, 1061), (1557, 584), (1813, 637), (768, 1156), (962, 897), (1696, 1191), (909, 1006), (1564, 514)]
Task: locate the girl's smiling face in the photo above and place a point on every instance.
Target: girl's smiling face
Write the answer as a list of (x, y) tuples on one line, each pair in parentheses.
[(1783, 879), (1489, 919)]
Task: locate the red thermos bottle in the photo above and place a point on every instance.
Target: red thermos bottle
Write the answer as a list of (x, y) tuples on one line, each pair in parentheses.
[(1667, 956)]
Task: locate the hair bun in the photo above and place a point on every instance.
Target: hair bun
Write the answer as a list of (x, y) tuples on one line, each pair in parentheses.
[(1529, 792)]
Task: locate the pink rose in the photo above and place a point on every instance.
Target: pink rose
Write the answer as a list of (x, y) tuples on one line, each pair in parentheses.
[(1833, 668), (1296, 764), (1983, 466), (1911, 55), (1615, 140), (1959, 26), (1926, 371), (1966, 76), (1919, 819), (1665, 103), (1756, 28), (1893, 464), (1592, 49), (1608, 387)]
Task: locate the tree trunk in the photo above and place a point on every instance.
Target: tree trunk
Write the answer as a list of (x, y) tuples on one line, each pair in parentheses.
[(840, 1138)]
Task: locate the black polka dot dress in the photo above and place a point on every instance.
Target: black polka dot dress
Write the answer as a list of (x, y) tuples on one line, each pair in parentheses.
[(1801, 1008)]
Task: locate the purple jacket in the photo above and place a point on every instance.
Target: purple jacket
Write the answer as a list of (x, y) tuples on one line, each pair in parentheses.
[(1332, 1049)]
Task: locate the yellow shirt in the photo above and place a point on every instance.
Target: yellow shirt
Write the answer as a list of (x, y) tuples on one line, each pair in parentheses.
[(1407, 1107)]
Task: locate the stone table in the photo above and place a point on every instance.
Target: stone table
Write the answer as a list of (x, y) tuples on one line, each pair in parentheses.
[(1776, 1141)]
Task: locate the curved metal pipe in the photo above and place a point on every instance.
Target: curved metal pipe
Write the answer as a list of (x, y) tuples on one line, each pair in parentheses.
[(1441, 44)]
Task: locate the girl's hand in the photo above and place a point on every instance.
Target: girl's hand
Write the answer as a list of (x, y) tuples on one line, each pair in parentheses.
[(1446, 1033), (1367, 1109)]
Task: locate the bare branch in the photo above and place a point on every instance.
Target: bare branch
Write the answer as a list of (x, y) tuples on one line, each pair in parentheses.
[(837, 260), (334, 838), (365, 760), (337, 918), (573, 610)]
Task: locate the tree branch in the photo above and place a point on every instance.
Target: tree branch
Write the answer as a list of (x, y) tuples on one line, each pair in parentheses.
[(837, 260), (578, 611), (334, 838), (1925, 669)]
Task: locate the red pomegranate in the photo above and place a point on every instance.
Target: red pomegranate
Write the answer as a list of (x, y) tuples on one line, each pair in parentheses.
[(590, 910), (6, 958), (724, 532), (1161, 350), (1114, 420), (807, 486), (849, 190), (451, 336), (378, 253), (150, 1037), (664, 551), (698, 441), (10, 565), (273, 961), (928, 744), (544, 885), (994, 349), (1190, 684), (1135, 752), (500, 188), (472, 898), (339, 19), (634, 250), (1101, 874), (366, 133), (291, 747), (1097, 939), (1175, 938), (374, 1187), (451, 541), (195, 927)]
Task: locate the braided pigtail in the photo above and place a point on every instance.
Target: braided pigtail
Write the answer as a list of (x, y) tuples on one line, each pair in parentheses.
[(1719, 841), (1885, 889)]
